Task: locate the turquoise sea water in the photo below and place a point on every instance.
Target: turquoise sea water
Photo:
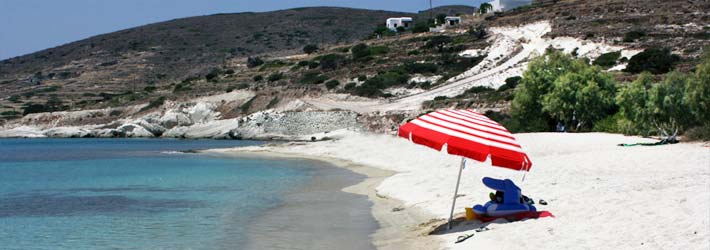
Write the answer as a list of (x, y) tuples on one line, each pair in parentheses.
[(135, 194)]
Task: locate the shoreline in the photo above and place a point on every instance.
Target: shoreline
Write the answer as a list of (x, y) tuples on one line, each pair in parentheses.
[(616, 182), (398, 227)]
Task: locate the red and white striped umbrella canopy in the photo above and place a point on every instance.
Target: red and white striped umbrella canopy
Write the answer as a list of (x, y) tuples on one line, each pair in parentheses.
[(468, 134)]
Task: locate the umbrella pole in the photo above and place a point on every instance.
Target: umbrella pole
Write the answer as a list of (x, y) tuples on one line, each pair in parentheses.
[(456, 192)]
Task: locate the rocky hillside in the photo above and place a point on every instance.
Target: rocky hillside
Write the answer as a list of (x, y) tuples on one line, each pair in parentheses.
[(681, 25), (170, 51), (373, 83)]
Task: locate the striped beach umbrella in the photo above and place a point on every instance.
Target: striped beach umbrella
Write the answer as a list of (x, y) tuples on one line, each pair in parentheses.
[(470, 135)]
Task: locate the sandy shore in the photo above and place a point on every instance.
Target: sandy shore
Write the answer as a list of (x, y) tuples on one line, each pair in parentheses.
[(604, 196)]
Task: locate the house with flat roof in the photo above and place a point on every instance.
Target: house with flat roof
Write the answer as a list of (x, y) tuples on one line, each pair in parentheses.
[(395, 22), (452, 20)]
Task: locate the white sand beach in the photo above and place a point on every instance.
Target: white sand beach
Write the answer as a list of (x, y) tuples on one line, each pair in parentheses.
[(603, 196)]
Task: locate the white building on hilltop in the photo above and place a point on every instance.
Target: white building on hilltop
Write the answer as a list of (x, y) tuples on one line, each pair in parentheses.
[(396, 22), (505, 5)]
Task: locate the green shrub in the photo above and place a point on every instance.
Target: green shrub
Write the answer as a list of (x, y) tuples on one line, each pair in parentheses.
[(182, 87), (303, 63), (425, 85), (632, 100), (654, 60), (332, 84), (667, 109), (633, 35), (479, 89), (510, 83), (608, 60), (382, 30), (14, 98), (257, 78), (331, 61), (274, 64), (420, 68), (313, 77), (213, 74), (253, 62), (350, 86), (374, 86), (275, 77), (440, 98), (313, 64), (420, 27), (360, 51), (310, 48), (10, 113), (438, 42), (149, 89), (697, 95), (379, 50), (361, 78)]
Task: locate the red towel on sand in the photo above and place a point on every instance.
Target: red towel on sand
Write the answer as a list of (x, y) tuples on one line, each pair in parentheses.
[(520, 216)]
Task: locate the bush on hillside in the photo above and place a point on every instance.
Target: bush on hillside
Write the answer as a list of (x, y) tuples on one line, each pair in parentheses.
[(654, 60), (313, 77), (510, 83), (420, 68), (332, 84), (420, 27), (360, 51), (330, 61), (607, 60), (633, 35), (275, 77), (310, 48), (373, 87), (438, 42), (253, 62)]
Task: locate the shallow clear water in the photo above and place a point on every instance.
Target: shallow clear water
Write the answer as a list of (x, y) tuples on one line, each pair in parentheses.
[(133, 194)]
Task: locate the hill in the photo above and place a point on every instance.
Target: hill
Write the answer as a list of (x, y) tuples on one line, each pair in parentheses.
[(171, 50)]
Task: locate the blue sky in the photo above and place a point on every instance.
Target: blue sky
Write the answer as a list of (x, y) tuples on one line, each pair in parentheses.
[(30, 25)]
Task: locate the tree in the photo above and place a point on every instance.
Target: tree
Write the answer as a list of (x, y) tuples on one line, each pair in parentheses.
[(581, 98), (485, 8), (697, 95), (526, 108), (666, 107), (632, 101), (310, 48)]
